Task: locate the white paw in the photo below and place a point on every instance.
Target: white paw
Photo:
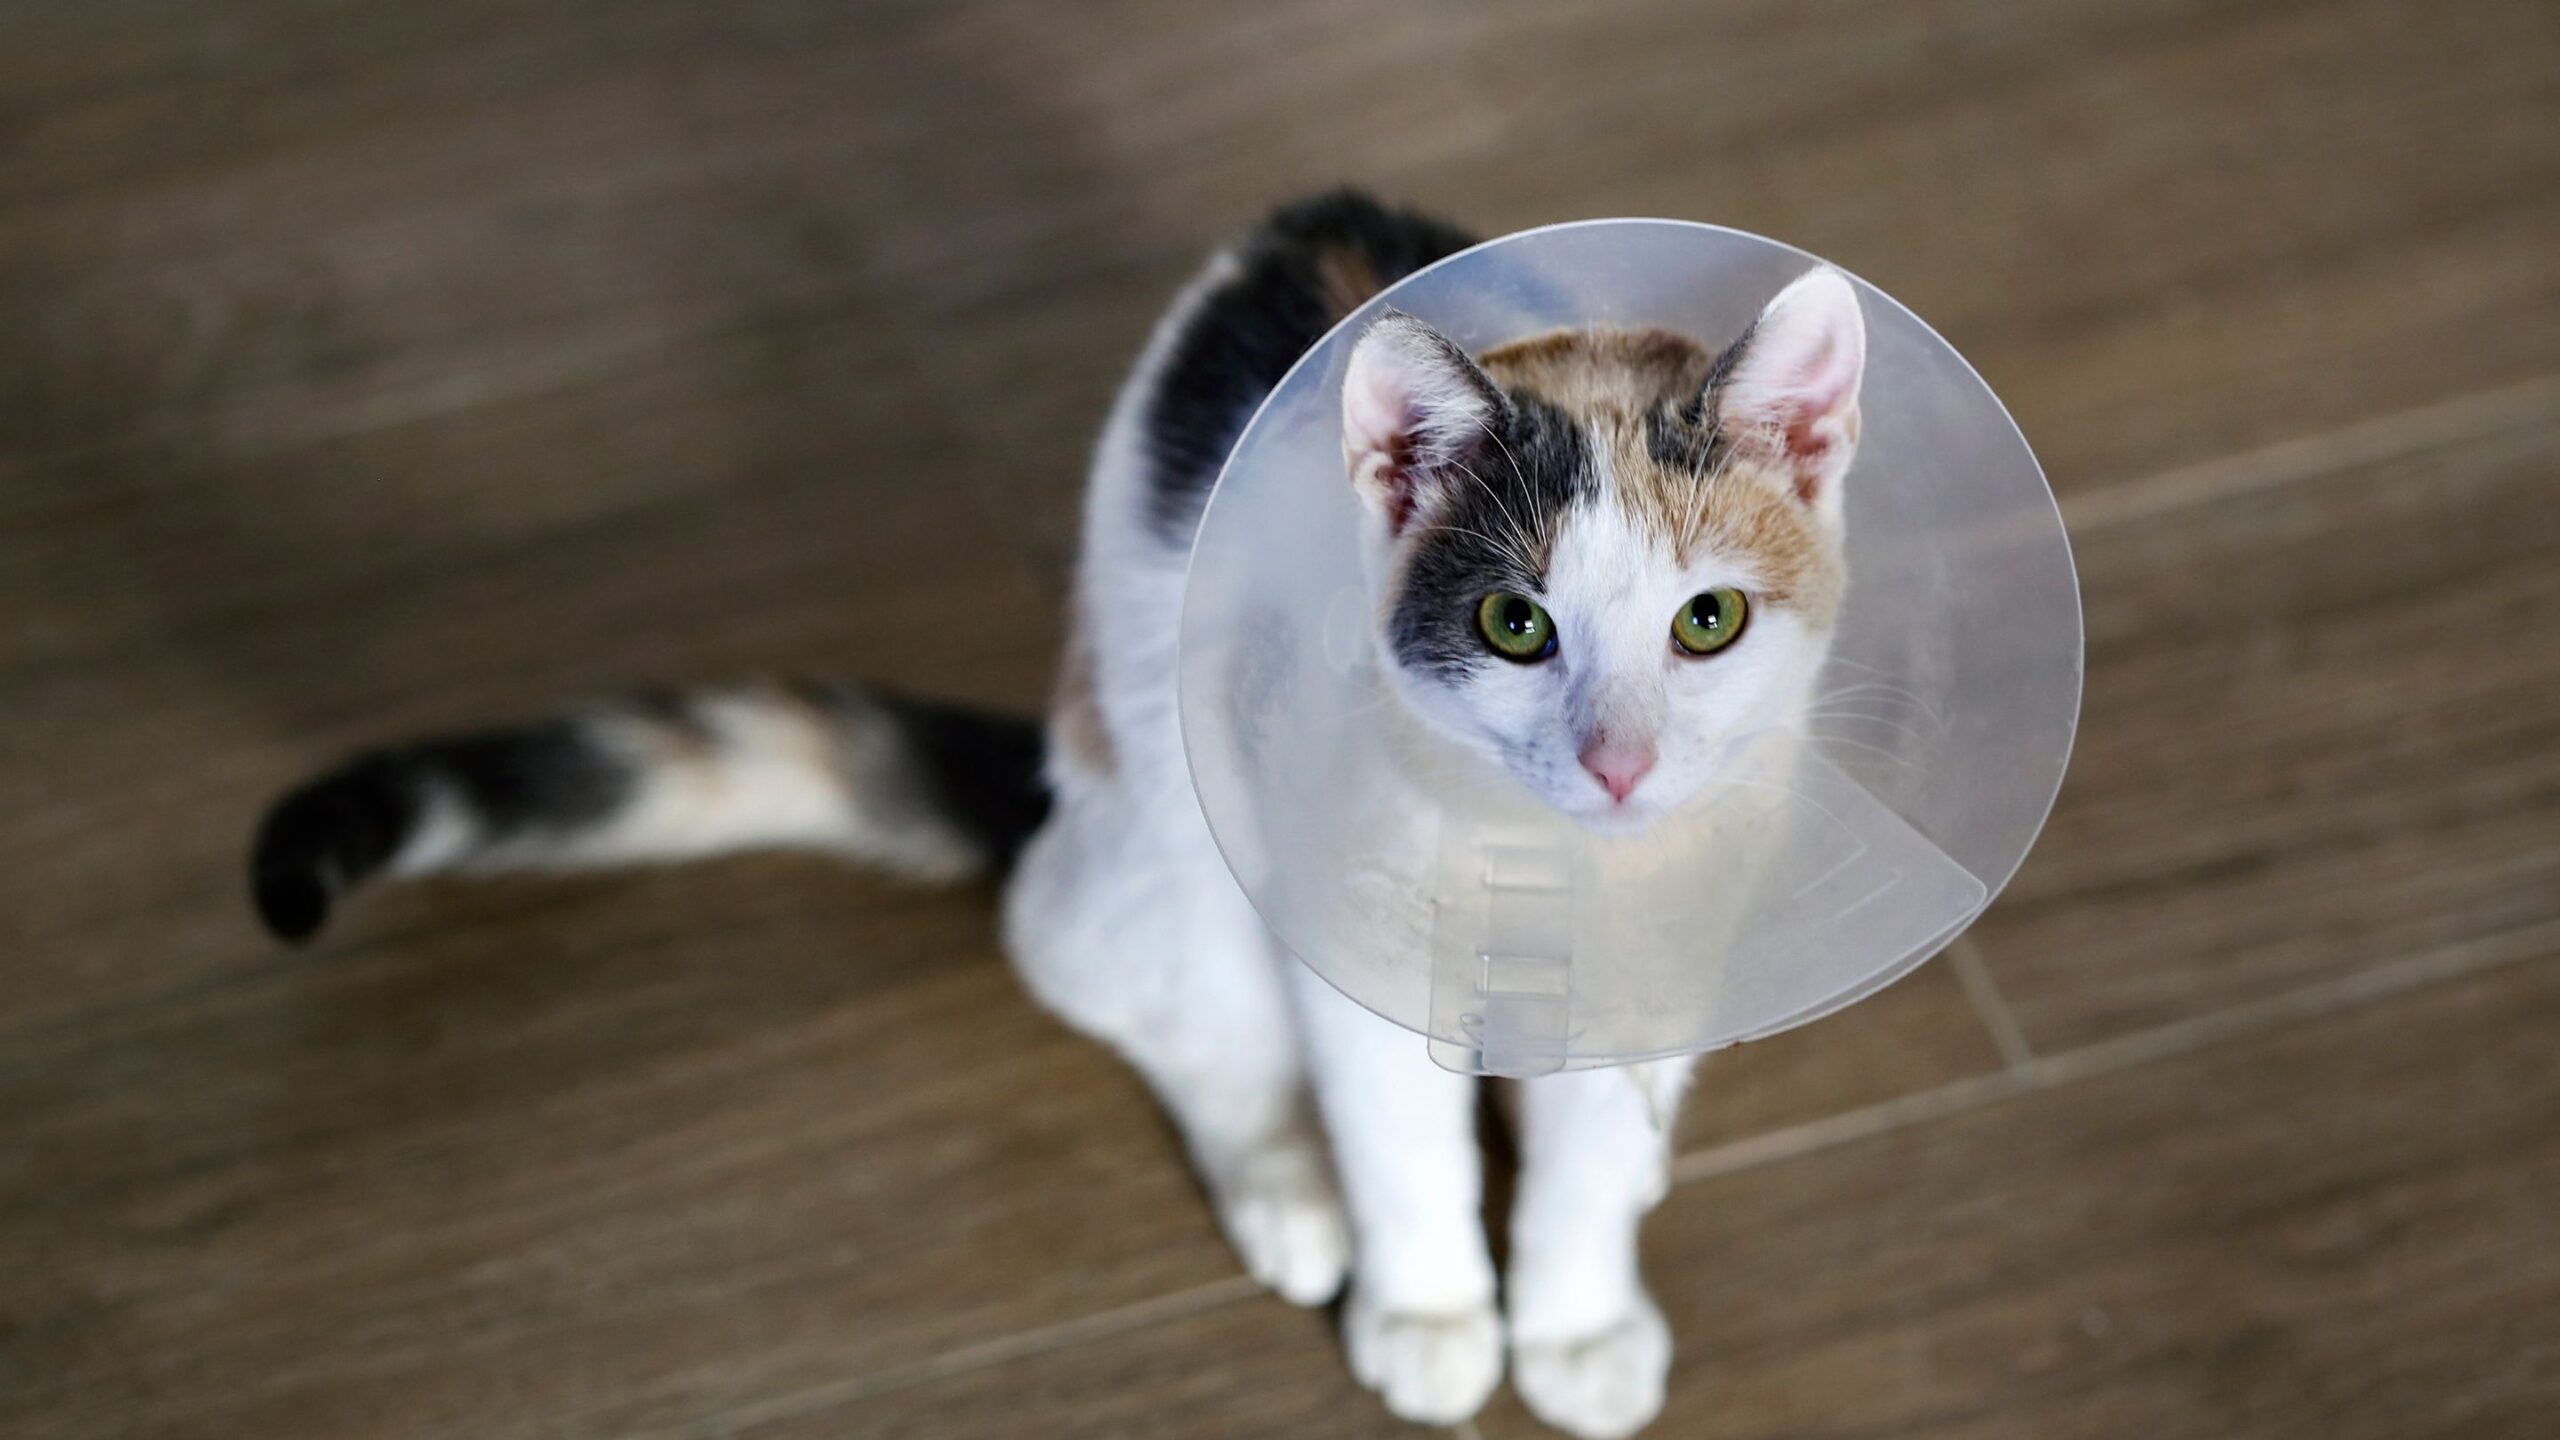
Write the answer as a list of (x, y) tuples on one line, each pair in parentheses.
[(1433, 1369), (1601, 1387), (1280, 1212)]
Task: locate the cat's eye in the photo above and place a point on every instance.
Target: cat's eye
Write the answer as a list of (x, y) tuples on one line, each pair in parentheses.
[(1516, 627), (1710, 621)]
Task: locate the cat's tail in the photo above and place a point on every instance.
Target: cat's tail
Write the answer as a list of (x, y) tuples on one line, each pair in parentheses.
[(931, 791)]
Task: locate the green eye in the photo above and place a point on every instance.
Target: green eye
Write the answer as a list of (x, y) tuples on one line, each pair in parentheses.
[(1516, 627), (1710, 621)]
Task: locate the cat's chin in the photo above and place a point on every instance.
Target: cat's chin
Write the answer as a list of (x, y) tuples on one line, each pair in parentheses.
[(1621, 821)]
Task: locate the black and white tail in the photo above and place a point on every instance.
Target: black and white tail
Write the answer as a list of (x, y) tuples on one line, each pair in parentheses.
[(931, 791)]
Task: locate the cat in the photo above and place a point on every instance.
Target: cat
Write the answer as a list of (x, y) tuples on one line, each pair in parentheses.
[(1604, 552)]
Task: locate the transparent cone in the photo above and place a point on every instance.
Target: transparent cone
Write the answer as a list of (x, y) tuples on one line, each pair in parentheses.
[(1827, 860)]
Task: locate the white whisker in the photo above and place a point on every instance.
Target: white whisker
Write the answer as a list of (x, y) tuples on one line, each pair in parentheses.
[(1520, 551), (1825, 737), (1911, 731)]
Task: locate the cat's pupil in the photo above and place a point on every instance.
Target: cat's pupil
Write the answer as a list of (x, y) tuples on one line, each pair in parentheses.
[(1518, 616), (1704, 613)]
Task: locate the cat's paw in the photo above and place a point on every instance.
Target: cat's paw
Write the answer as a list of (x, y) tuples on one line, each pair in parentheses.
[(1430, 1368), (1599, 1387), (1280, 1211)]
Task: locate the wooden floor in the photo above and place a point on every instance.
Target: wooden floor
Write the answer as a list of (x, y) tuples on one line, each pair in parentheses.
[(375, 367)]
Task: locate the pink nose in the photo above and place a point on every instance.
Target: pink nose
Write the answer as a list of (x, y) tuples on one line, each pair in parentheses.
[(1618, 765)]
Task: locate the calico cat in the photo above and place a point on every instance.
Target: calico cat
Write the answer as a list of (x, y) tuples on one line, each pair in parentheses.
[(1604, 551)]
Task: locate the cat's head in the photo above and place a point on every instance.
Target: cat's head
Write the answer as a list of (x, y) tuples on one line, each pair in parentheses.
[(1609, 554)]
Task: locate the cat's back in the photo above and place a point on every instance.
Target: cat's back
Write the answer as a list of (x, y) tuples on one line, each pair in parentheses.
[(1219, 350), (1263, 305)]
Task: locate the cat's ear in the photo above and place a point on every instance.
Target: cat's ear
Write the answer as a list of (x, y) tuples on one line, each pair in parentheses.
[(1415, 412), (1786, 393)]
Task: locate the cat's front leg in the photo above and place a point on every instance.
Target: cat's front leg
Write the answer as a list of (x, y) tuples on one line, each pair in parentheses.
[(1421, 1325), (1132, 931), (1589, 1351)]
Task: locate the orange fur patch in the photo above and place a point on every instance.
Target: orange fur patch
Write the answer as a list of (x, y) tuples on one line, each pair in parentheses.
[(1348, 278), (1595, 372), (1614, 382)]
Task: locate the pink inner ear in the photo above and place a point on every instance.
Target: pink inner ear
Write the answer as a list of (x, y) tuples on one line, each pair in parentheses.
[(1376, 412), (1388, 398), (1826, 384), (1377, 422), (1398, 503), (1814, 406), (1805, 390), (1797, 385)]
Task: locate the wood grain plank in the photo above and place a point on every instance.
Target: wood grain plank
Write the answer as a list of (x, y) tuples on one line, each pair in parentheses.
[(127, 830), (2338, 1229), (2212, 227), (2321, 730), (749, 445), (371, 369), (619, 1152), (1918, 1034), (1253, 1368), (190, 632)]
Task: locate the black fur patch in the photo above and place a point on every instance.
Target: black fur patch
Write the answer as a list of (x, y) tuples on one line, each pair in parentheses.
[(335, 832), (1491, 535), (1688, 436), (549, 776), (325, 837), (1246, 333), (984, 770)]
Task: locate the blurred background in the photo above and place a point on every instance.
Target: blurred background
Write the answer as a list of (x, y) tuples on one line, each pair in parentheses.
[(367, 369)]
